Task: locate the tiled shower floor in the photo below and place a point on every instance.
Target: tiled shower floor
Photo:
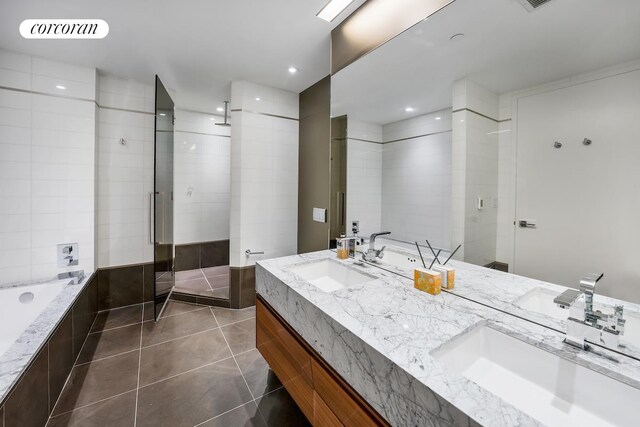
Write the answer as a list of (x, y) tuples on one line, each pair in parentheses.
[(195, 366), (211, 282)]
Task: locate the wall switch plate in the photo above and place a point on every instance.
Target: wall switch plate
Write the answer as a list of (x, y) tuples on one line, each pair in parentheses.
[(355, 227), (67, 255), (320, 215)]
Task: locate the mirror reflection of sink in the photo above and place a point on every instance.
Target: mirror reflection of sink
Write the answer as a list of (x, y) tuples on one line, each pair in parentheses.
[(330, 275), (551, 389), (400, 260), (540, 300)]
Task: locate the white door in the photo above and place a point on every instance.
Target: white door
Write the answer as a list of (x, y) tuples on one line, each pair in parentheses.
[(583, 199)]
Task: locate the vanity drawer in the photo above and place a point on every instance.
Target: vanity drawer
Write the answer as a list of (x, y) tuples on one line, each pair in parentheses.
[(287, 358), (347, 407), (322, 414)]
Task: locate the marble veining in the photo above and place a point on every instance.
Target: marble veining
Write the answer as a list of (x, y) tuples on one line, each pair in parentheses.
[(379, 336), (17, 357)]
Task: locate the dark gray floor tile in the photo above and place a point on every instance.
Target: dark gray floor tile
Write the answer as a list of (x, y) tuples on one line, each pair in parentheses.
[(176, 307), (193, 285), (224, 316), (118, 317), (161, 361), (216, 271), (148, 311), (189, 275), (220, 293), (218, 281), (245, 416), (241, 336), (110, 342), (99, 380), (172, 327), (118, 411), (195, 292), (279, 410), (260, 379), (193, 397)]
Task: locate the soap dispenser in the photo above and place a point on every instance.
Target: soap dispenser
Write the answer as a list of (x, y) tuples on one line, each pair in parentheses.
[(342, 247)]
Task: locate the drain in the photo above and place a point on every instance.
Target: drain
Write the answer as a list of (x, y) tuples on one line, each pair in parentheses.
[(26, 297)]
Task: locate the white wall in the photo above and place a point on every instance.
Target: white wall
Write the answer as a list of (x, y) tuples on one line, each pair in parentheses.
[(364, 176), (416, 178), (47, 166), (125, 172), (475, 172), (507, 162), (202, 168), (264, 172)]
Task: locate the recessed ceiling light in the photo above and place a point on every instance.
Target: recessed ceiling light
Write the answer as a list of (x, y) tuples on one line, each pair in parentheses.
[(409, 109), (333, 9), (456, 37), (162, 114), (438, 118), (60, 87), (293, 70), (211, 118), (258, 98), (220, 110)]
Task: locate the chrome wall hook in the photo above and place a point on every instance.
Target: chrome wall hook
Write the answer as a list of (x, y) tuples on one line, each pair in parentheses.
[(557, 144), (586, 141), (123, 141)]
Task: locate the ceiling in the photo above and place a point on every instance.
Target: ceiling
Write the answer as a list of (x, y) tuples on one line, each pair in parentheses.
[(197, 47), (505, 48)]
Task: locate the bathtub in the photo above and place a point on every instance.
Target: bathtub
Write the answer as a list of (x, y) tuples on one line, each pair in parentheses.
[(21, 305)]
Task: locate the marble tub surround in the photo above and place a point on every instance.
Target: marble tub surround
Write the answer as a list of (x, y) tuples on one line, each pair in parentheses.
[(505, 291), (379, 336), (56, 337)]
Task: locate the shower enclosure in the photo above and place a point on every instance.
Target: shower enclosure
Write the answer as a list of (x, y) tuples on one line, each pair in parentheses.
[(162, 198)]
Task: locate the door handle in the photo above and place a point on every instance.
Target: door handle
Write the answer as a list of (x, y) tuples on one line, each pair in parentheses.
[(524, 223)]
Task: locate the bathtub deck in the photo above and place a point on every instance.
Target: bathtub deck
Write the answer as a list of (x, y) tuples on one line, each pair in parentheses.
[(196, 365)]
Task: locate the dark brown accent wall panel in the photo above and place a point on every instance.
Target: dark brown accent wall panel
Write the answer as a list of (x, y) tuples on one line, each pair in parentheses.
[(375, 23), (314, 176)]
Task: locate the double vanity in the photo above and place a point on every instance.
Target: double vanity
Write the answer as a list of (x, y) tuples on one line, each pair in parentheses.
[(492, 353)]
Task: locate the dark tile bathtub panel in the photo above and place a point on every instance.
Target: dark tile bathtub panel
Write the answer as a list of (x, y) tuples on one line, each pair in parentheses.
[(120, 286), (84, 311), (61, 357), (34, 396), (28, 404)]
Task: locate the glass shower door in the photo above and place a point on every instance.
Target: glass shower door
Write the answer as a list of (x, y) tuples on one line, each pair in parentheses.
[(164, 256)]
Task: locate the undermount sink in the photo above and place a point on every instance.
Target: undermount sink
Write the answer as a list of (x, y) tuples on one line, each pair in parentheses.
[(540, 300), (553, 390), (329, 275)]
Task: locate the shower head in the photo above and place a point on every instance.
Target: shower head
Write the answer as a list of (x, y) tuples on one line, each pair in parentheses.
[(226, 123)]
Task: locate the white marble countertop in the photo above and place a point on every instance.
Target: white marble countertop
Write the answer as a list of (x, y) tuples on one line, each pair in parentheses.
[(505, 291), (16, 359), (379, 337)]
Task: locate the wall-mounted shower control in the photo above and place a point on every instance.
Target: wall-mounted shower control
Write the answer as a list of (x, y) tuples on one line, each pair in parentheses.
[(67, 255)]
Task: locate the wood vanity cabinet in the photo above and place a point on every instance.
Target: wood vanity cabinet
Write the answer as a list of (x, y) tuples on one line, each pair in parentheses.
[(322, 395)]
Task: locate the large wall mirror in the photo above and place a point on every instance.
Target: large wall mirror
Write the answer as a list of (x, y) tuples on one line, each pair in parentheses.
[(514, 133)]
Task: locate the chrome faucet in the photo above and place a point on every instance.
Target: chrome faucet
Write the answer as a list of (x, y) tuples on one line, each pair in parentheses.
[(585, 323), (372, 254)]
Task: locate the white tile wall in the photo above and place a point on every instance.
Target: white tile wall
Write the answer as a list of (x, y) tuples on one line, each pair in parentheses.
[(125, 172), (202, 168), (264, 172), (364, 185), (47, 166), (475, 173)]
